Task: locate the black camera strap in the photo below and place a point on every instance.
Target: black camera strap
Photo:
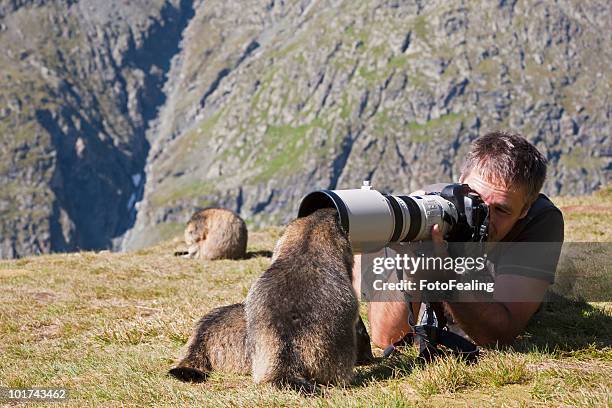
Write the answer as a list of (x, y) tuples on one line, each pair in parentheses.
[(429, 338), (433, 334)]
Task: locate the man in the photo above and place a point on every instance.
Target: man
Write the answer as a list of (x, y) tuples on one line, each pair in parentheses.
[(508, 173)]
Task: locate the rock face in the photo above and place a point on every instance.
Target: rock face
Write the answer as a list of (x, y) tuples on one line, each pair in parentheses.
[(280, 99), (80, 80), (265, 101)]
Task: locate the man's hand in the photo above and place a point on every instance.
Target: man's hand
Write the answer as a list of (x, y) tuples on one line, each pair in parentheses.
[(440, 250), (440, 244), (388, 318)]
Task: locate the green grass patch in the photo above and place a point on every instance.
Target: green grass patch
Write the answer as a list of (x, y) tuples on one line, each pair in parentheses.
[(433, 128), (182, 188), (433, 123), (283, 147), (397, 61), (420, 28), (371, 76), (579, 158)]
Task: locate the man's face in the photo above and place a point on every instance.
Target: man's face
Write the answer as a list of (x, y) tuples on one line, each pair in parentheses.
[(506, 204)]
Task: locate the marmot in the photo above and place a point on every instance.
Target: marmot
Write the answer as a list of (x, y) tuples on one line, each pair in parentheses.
[(217, 343), (302, 311), (216, 233)]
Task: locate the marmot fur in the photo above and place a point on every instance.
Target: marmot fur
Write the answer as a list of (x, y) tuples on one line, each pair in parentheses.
[(301, 313)]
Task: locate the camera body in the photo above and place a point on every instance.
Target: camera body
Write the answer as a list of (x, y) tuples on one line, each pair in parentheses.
[(472, 224), (373, 220)]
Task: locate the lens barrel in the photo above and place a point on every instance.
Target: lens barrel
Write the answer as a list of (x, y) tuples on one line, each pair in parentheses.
[(373, 220)]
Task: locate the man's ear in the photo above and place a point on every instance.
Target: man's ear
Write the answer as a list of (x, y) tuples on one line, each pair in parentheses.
[(525, 210)]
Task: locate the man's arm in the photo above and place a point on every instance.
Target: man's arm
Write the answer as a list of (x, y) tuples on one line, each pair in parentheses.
[(356, 275), (517, 296), (516, 299), (388, 319), (500, 321)]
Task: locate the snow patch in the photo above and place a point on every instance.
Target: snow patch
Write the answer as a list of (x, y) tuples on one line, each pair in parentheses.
[(136, 179)]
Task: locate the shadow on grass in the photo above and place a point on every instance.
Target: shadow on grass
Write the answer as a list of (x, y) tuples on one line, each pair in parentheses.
[(256, 254), (398, 365), (565, 326), (249, 255)]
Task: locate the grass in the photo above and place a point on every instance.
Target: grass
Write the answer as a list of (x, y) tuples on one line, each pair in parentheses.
[(449, 375), (186, 187), (425, 132), (107, 326), (587, 218)]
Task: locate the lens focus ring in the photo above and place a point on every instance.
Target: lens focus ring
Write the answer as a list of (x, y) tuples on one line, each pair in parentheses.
[(399, 219), (414, 214)]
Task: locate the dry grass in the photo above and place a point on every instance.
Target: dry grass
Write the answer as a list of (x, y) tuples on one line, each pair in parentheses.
[(587, 218), (108, 326)]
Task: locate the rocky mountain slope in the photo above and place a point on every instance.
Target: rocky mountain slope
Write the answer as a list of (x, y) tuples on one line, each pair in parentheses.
[(261, 102), (279, 99), (79, 82)]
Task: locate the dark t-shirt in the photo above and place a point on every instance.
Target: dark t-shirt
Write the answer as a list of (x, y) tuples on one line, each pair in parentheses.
[(533, 245)]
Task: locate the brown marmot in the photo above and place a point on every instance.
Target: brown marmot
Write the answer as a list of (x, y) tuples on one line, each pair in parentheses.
[(301, 313), (216, 233)]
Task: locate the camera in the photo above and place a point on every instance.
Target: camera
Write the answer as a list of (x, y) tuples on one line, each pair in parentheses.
[(373, 220)]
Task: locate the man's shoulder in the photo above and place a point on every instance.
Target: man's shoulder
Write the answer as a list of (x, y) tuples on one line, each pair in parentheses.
[(536, 243), (543, 223), (540, 206)]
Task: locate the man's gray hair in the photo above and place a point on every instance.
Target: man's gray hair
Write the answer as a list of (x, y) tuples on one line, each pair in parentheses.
[(509, 158)]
